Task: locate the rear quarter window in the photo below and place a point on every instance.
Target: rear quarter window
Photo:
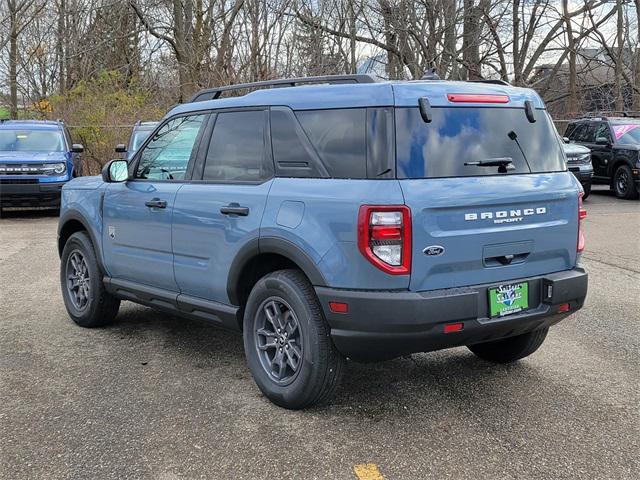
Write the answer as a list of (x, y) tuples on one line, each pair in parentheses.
[(339, 138), (459, 135)]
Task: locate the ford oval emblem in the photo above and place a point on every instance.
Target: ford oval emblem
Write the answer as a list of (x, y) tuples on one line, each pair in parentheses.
[(433, 250)]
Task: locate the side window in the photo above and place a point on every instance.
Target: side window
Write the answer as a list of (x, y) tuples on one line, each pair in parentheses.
[(339, 137), (168, 153), (603, 131), (237, 148)]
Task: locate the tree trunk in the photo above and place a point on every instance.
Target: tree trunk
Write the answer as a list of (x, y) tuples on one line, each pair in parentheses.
[(572, 100), (13, 59), (619, 96), (636, 73), (517, 71), (60, 50), (470, 43)]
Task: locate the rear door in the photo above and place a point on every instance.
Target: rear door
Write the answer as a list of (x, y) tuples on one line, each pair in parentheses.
[(220, 212), (138, 213), (476, 224)]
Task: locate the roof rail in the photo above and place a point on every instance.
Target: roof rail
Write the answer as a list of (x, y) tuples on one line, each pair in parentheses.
[(214, 93), (495, 82)]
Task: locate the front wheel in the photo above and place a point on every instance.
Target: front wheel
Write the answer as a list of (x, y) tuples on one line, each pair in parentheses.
[(587, 190), (623, 183), (287, 343), (510, 349), (86, 300)]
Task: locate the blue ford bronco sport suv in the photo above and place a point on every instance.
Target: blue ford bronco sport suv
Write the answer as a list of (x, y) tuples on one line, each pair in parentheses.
[(36, 159), (337, 217)]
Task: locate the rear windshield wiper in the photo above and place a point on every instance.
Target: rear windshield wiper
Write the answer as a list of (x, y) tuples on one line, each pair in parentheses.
[(503, 163)]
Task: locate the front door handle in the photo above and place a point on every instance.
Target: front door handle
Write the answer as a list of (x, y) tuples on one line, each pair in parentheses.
[(234, 209), (156, 203)]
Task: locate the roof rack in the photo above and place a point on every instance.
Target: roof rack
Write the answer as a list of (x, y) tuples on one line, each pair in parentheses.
[(214, 93), (612, 113), (31, 120), (495, 82)]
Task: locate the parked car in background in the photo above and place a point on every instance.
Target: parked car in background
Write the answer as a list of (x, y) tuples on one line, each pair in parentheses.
[(141, 130), (615, 150), (342, 219), (36, 159), (579, 163)]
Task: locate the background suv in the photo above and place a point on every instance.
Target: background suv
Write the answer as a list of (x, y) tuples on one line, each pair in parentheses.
[(139, 133), (36, 159), (346, 218), (615, 151), (579, 163)]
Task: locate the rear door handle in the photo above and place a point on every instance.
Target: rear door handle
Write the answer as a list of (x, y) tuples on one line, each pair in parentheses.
[(234, 209), (156, 203)]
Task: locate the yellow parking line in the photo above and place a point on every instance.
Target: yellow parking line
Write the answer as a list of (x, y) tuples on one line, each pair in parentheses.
[(367, 471)]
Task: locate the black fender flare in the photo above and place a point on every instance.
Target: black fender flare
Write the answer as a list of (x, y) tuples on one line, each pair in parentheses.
[(77, 216), (276, 245)]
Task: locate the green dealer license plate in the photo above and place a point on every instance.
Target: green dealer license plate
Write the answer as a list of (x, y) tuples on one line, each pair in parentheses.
[(509, 298)]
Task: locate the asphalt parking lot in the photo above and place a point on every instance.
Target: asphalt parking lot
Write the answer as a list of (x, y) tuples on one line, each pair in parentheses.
[(154, 396)]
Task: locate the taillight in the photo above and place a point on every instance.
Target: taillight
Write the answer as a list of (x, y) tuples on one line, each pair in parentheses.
[(384, 237), (477, 98), (582, 214)]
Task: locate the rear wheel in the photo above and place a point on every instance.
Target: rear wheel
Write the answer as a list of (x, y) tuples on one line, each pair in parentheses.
[(623, 183), (287, 344), (510, 349), (86, 300)]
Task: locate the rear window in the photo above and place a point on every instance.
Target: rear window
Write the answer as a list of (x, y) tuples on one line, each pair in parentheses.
[(459, 135), (31, 140)]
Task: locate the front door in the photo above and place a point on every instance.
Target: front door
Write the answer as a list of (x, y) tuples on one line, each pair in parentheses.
[(137, 214), (601, 154)]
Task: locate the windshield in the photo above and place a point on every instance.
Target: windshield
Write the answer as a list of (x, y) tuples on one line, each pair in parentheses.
[(463, 141), (627, 132), (31, 141)]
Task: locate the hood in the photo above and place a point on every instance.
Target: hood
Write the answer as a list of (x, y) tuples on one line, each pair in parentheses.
[(573, 149), (22, 157), (84, 183)]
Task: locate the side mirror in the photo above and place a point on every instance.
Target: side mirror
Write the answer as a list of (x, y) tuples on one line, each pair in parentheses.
[(602, 141), (565, 139), (115, 171), (77, 148), (121, 148)]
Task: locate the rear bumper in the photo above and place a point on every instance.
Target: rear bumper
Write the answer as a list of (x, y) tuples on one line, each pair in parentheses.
[(387, 324), (30, 194)]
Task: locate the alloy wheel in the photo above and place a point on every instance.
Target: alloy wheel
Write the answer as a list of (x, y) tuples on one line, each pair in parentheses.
[(278, 340), (78, 281)]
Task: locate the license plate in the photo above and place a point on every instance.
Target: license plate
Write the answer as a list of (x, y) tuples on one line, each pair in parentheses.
[(509, 298)]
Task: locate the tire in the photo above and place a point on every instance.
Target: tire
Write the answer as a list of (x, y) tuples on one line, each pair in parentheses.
[(587, 190), (92, 306), (287, 297), (623, 183), (510, 349)]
